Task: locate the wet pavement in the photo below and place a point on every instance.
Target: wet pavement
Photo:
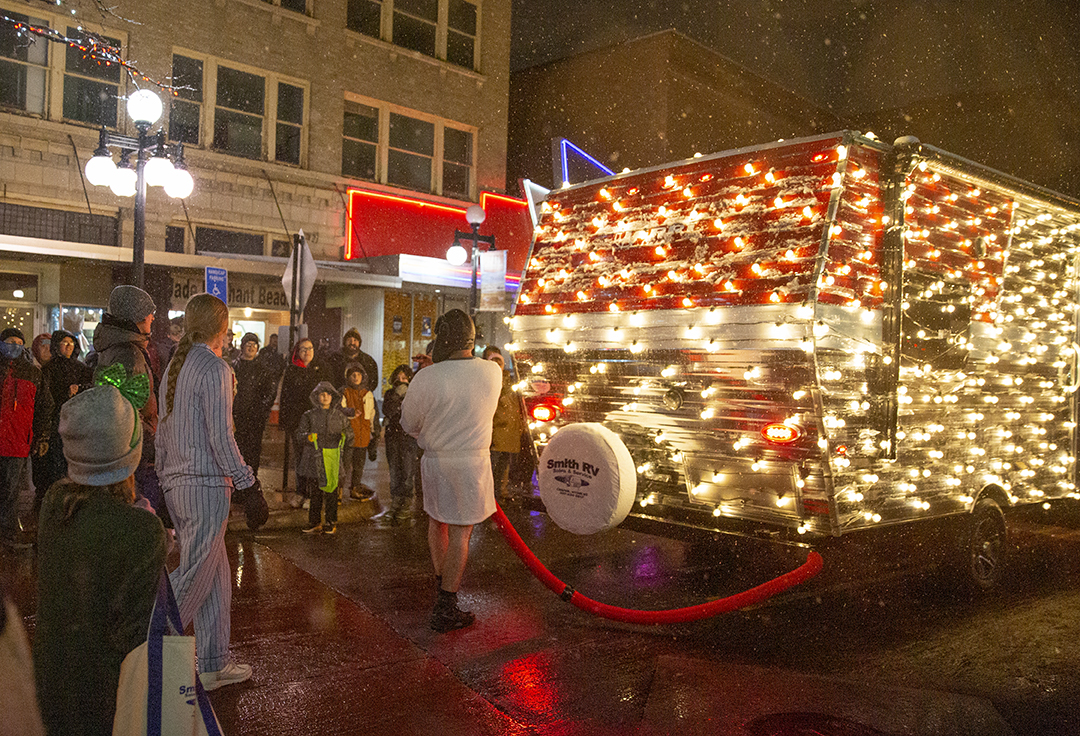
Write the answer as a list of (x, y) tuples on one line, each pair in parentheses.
[(336, 628)]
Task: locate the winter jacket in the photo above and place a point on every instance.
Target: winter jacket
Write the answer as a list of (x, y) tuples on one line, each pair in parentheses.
[(392, 408), (320, 459), (334, 365), (97, 579), (363, 402), (26, 407), (507, 425), (119, 341), (62, 373), (296, 387), (256, 386)]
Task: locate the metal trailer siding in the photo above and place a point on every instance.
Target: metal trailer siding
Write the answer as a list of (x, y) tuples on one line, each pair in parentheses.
[(791, 283)]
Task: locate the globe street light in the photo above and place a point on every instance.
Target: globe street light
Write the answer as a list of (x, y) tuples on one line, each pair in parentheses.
[(456, 254), (156, 164)]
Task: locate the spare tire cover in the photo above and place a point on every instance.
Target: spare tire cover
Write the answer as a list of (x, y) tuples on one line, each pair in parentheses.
[(587, 478)]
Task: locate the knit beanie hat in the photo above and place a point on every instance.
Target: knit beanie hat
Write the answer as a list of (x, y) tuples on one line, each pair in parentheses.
[(130, 303), (12, 332), (249, 337), (454, 331), (101, 445)]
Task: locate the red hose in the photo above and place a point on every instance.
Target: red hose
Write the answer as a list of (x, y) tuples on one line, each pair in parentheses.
[(801, 574)]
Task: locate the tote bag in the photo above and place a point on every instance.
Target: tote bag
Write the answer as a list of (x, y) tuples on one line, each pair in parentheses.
[(159, 693)]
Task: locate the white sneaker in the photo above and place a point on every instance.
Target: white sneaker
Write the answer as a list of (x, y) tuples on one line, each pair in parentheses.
[(227, 675)]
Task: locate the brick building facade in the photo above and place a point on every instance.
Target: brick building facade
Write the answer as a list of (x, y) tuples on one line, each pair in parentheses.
[(283, 106)]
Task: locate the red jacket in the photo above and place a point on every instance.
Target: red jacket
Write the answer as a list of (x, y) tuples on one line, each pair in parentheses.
[(25, 409)]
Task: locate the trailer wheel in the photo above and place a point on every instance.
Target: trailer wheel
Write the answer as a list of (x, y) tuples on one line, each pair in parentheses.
[(984, 546)]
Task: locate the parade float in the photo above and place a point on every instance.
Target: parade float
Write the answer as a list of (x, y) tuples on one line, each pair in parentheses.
[(803, 340)]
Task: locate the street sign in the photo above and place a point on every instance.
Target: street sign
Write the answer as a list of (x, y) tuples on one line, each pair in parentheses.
[(302, 270), (217, 283)]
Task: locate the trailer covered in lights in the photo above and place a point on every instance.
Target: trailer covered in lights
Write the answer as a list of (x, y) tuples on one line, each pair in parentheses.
[(819, 335)]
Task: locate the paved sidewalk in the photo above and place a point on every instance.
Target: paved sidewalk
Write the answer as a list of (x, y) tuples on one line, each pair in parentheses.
[(324, 665)]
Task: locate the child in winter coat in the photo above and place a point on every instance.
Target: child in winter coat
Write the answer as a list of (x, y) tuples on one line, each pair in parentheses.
[(322, 433), (365, 434), (401, 451)]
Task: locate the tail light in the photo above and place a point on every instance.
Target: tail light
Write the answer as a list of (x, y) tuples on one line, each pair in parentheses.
[(780, 433), (544, 412)]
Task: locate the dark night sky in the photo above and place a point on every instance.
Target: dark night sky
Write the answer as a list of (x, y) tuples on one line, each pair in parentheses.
[(852, 55)]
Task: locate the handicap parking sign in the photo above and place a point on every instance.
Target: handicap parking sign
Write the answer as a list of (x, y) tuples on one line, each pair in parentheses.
[(217, 283)]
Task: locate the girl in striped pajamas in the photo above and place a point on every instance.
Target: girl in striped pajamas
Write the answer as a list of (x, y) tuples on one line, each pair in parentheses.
[(199, 465)]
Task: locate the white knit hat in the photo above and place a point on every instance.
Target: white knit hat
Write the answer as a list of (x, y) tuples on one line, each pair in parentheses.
[(102, 443)]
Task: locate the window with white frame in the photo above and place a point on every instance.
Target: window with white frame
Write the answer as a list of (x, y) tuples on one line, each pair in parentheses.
[(91, 86), (360, 141), (186, 114), (24, 66), (365, 16), (241, 112), (457, 162), (407, 149), (444, 29), (57, 81)]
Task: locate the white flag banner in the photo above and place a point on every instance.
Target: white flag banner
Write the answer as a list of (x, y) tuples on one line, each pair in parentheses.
[(492, 281), (307, 274)]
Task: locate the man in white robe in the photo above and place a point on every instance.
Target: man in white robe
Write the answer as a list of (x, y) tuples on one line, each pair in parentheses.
[(449, 409)]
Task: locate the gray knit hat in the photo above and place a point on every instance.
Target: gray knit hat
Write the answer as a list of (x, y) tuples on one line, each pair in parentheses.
[(130, 303), (102, 443)]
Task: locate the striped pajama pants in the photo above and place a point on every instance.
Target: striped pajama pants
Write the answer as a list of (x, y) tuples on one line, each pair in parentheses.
[(202, 582)]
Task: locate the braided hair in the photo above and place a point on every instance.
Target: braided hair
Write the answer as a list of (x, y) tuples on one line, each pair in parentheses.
[(205, 318)]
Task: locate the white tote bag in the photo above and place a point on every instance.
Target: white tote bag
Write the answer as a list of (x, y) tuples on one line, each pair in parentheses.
[(159, 693)]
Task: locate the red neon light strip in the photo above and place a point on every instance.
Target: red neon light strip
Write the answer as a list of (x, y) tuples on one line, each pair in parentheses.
[(420, 203)]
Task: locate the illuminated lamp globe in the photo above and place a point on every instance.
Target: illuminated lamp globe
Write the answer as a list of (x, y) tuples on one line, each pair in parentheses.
[(144, 107), (456, 254), (475, 215), (180, 184), (100, 169), (158, 171), (123, 182)]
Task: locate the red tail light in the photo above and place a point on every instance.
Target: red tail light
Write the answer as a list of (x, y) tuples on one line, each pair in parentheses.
[(544, 412), (781, 433)]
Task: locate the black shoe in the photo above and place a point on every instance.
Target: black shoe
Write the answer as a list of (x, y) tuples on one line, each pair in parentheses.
[(451, 620), (446, 616)]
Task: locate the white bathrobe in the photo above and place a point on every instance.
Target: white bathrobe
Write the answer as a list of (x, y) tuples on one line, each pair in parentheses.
[(449, 408)]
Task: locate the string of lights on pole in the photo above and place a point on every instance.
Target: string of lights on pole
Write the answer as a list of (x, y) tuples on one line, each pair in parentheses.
[(157, 163)]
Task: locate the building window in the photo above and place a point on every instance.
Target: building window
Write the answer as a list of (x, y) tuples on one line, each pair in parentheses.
[(50, 224), (91, 87), (213, 240), (457, 162), (185, 112), (412, 147), (238, 113), (174, 239), (416, 24), (290, 123), (365, 16), (409, 150), (246, 113), (360, 141), (461, 33), (23, 66), (280, 248), (444, 29)]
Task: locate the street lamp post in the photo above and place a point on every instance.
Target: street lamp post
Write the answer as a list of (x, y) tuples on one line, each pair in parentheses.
[(475, 216), (156, 164)]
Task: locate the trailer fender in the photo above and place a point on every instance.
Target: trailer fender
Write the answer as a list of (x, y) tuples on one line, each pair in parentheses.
[(587, 478)]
